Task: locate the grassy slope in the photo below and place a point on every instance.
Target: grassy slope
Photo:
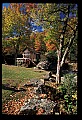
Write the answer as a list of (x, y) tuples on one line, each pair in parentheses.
[(14, 75)]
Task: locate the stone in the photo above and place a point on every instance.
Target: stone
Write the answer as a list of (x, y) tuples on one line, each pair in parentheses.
[(42, 105), (46, 77), (50, 77), (34, 83), (38, 104), (43, 65)]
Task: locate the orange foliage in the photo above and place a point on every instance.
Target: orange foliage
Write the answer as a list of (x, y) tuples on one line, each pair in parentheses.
[(50, 46), (29, 6)]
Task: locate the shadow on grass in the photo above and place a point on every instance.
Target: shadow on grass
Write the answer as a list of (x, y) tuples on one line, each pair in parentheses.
[(12, 88)]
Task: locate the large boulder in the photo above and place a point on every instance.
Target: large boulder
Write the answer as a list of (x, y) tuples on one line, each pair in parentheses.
[(43, 65)]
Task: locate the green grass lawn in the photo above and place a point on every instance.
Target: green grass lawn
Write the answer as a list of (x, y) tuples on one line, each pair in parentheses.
[(14, 75)]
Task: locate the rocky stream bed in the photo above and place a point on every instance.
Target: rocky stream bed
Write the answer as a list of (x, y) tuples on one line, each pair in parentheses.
[(38, 100)]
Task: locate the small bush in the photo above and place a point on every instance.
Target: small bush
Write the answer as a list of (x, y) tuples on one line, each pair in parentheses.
[(69, 90)]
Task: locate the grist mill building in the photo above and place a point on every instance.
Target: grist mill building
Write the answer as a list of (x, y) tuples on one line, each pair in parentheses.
[(30, 57)]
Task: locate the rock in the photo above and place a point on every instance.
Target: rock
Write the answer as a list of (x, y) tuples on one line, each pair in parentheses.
[(43, 105), (34, 83), (43, 65), (47, 76), (50, 77)]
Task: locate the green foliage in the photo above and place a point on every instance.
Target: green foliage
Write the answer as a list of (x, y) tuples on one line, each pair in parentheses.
[(69, 90), (70, 83)]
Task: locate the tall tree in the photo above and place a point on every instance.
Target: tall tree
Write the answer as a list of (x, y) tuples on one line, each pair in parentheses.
[(16, 26), (60, 17)]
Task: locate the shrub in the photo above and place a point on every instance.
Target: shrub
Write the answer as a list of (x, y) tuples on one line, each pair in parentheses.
[(69, 90)]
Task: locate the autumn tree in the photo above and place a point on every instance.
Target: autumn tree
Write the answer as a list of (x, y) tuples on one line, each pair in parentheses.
[(16, 27), (62, 18), (37, 40)]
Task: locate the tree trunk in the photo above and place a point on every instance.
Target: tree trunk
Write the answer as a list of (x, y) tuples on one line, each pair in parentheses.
[(61, 59), (59, 54), (68, 47), (58, 74)]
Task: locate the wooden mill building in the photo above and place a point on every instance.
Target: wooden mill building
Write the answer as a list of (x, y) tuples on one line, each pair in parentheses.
[(30, 57)]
